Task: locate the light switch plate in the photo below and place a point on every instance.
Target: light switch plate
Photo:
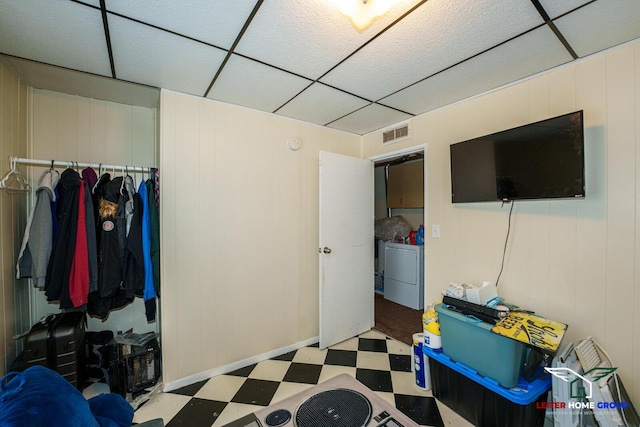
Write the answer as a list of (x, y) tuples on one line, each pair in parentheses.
[(435, 230)]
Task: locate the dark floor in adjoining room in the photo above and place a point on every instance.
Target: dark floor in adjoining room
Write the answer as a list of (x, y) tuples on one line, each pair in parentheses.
[(395, 320)]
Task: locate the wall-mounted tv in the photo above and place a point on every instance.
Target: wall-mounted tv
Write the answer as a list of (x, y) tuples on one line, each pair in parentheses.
[(541, 160)]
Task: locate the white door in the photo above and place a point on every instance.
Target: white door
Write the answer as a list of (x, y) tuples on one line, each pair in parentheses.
[(346, 253)]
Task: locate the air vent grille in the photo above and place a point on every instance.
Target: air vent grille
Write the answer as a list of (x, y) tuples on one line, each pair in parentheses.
[(402, 132), (389, 135), (395, 134)]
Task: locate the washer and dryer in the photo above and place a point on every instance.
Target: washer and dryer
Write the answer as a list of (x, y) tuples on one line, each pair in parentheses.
[(404, 274)]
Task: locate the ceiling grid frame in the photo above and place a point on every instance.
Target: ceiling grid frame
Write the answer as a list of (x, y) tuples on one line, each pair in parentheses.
[(289, 38)]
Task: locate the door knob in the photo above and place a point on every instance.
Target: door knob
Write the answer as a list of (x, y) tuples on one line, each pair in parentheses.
[(326, 250)]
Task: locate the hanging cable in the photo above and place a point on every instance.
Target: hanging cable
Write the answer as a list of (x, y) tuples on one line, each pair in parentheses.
[(506, 240)]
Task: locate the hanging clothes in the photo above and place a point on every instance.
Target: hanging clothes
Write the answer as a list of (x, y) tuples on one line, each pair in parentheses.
[(121, 265), (149, 294), (109, 278), (90, 177), (38, 236), (59, 267), (72, 266), (133, 259), (93, 242), (154, 234), (79, 274)]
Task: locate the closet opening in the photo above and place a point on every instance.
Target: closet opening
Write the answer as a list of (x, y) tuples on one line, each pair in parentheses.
[(90, 255), (400, 257)]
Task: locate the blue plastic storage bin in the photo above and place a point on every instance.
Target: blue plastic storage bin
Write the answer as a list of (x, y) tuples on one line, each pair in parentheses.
[(470, 341), (484, 402)]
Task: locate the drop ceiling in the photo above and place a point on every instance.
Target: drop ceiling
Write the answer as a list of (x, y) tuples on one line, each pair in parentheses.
[(304, 59)]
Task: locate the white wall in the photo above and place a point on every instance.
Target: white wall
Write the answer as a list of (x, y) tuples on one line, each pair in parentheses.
[(577, 262), (73, 128), (239, 232), (13, 138)]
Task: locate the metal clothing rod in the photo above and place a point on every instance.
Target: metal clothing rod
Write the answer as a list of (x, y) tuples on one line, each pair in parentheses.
[(51, 163)]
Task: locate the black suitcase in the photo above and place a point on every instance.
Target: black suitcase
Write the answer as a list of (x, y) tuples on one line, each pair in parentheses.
[(57, 342)]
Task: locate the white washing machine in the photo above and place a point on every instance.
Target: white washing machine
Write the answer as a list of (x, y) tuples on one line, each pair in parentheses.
[(404, 274)]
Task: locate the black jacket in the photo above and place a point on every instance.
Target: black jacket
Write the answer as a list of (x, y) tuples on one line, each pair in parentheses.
[(59, 267)]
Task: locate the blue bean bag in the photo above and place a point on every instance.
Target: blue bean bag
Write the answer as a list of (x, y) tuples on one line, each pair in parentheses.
[(40, 397)]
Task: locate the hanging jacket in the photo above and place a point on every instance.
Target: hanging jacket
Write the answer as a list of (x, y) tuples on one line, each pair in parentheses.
[(96, 195), (121, 268), (38, 237), (79, 274), (149, 288), (110, 260), (149, 294), (154, 231), (92, 245), (133, 269), (59, 266)]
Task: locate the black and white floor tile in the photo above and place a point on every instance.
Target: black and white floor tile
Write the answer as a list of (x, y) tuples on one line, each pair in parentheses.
[(381, 363)]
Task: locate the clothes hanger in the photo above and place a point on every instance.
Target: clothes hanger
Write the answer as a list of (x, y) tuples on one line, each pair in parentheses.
[(14, 181)]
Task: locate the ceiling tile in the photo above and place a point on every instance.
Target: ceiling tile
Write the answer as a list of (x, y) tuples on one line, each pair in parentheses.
[(60, 33), (436, 36), (532, 53), (600, 25), (321, 104), (239, 84), (369, 119), (555, 8), (156, 58), (215, 22), (307, 37), (95, 3)]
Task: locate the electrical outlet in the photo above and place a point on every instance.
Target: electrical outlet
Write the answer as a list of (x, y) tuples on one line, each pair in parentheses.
[(435, 230)]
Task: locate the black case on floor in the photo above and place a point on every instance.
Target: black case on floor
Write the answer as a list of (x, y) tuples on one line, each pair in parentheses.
[(57, 342)]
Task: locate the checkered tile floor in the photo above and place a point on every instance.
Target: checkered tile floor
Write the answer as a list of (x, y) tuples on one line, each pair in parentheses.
[(379, 362)]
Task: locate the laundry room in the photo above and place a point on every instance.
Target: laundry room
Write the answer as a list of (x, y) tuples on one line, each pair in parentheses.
[(399, 248)]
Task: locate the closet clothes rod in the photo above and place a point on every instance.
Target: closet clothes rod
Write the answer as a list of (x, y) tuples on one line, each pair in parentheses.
[(105, 167)]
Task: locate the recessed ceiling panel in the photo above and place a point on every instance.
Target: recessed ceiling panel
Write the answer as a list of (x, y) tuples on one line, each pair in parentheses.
[(51, 77), (437, 35), (525, 56), (215, 22), (321, 104), (369, 119), (600, 25), (156, 58), (308, 37), (61, 33), (255, 85), (555, 8)]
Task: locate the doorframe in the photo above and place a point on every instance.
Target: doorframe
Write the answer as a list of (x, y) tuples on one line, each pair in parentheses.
[(405, 151)]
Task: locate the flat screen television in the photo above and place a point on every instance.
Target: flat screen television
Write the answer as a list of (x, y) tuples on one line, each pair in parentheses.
[(541, 160)]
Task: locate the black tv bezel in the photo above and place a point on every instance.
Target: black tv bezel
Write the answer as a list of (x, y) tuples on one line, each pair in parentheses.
[(580, 113)]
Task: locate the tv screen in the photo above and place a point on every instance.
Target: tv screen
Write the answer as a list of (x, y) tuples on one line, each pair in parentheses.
[(541, 160)]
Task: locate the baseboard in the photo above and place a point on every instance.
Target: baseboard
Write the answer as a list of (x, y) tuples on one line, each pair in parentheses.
[(192, 379)]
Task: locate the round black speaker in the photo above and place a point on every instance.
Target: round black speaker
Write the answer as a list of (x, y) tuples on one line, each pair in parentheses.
[(334, 408)]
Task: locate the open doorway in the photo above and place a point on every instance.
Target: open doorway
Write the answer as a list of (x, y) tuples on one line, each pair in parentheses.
[(399, 201)]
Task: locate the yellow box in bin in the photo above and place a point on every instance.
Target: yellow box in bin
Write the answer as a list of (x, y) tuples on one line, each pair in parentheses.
[(470, 341)]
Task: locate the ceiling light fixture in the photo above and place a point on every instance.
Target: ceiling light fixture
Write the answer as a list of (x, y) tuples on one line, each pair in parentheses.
[(364, 12)]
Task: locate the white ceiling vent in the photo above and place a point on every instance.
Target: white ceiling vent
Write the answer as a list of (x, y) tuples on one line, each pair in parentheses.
[(395, 134)]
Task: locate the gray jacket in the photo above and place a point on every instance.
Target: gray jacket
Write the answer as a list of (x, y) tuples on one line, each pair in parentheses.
[(38, 236)]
